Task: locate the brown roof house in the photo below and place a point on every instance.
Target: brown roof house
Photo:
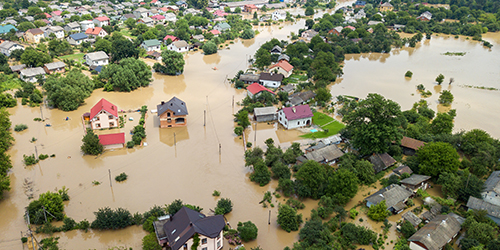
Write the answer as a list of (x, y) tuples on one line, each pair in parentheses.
[(395, 197), (410, 145), (177, 231), (416, 182), (381, 161), (433, 236), (402, 169), (172, 113)]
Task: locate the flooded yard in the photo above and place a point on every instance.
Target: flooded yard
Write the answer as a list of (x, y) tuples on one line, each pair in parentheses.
[(184, 163)]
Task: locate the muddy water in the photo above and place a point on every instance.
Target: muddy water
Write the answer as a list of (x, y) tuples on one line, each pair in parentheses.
[(188, 166), (384, 74)]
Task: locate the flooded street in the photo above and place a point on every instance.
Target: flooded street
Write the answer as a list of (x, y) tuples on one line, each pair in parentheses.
[(189, 167)]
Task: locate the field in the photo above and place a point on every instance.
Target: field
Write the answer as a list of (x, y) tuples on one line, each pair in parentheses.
[(76, 57), (327, 123)]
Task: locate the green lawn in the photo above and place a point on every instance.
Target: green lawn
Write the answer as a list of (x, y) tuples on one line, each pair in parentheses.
[(295, 78), (326, 123), (8, 82), (76, 57), (126, 32)]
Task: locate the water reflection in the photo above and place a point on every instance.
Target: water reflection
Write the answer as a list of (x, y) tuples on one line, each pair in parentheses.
[(170, 136)]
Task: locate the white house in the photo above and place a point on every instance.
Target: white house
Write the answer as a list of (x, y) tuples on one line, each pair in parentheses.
[(178, 46), (87, 24), (295, 117), (7, 47), (101, 21), (278, 15), (104, 115), (148, 21), (270, 80), (170, 17), (151, 45), (98, 58), (30, 74), (77, 39), (58, 31), (141, 13)]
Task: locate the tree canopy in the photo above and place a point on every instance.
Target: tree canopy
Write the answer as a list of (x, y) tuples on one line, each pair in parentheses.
[(437, 157), (288, 219), (173, 63), (91, 143), (129, 74), (34, 58), (69, 92)]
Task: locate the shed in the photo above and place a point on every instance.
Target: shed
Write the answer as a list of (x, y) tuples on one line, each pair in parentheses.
[(410, 145), (17, 68), (491, 192), (265, 114), (402, 169), (328, 154), (249, 78), (416, 182), (111, 141), (381, 161), (412, 218)]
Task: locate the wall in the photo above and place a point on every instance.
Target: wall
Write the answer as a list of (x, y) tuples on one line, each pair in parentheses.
[(104, 121), (271, 84), (166, 123), (294, 123)]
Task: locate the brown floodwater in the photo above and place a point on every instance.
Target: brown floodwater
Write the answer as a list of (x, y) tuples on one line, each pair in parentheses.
[(184, 163)]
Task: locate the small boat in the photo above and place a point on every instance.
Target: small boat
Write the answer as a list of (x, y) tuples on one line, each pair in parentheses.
[(48, 125)]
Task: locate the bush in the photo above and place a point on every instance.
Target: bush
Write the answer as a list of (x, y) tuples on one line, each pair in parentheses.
[(149, 242), (216, 193), (209, 48), (121, 177), (106, 218), (53, 204), (148, 224), (249, 144), (20, 127), (43, 157), (69, 224), (247, 230), (295, 203), (83, 225), (408, 74), (288, 219), (130, 144), (378, 212), (353, 213), (224, 206), (30, 160), (247, 34), (238, 131), (91, 143)]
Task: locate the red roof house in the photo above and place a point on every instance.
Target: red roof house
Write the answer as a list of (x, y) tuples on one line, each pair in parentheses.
[(104, 115), (47, 15), (255, 89), (215, 32), (116, 140), (283, 67), (250, 8), (158, 17), (56, 12), (295, 117), (101, 21), (95, 32), (173, 38), (220, 13)]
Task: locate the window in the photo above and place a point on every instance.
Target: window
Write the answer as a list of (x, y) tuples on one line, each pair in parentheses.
[(204, 248), (169, 120), (168, 114), (218, 244), (204, 241), (98, 125), (110, 117), (97, 118), (111, 124), (298, 123)]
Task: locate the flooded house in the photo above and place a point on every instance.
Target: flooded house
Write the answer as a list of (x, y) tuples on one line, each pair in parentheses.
[(395, 197), (179, 46), (249, 78), (172, 113), (112, 141), (98, 58), (412, 218), (324, 155), (301, 98), (264, 114), (32, 74), (151, 45), (270, 80), (416, 182), (381, 162), (282, 67), (295, 117), (104, 115), (402, 170), (437, 233), (491, 192), (492, 210), (177, 231), (255, 89), (410, 145)]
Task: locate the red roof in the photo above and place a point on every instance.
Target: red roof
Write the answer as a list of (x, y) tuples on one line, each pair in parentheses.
[(173, 38), (95, 31), (142, 3), (255, 88), (215, 32), (110, 139), (284, 65), (158, 17), (102, 18), (47, 15), (251, 6), (103, 104), (154, 1), (56, 13), (350, 27), (297, 112), (220, 13), (164, 9)]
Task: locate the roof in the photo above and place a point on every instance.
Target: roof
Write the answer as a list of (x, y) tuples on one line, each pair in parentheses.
[(392, 194), (264, 111), (223, 25), (9, 44), (129, 15), (18, 67), (215, 32), (173, 38), (180, 44), (255, 88), (56, 12), (79, 36), (478, 204), (437, 232), (412, 218), (298, 98), (36, 31), (30, 72), (103, 104), (73, 25), (110, 139), (271, 77), (186, 222), (493, 183), (249, 77), (386, 4), (278, 48), (284, 65), (98, 55), (402, 169), (152, 42), (288, 88), (297, 112), (175, 105), (283, 57), (158, 17), (408, 142), (141, 10), (55, 65), (415, 179), (6, 28), (385, 159), (95, 31), (146, 20), (325, 154), (102, 18)]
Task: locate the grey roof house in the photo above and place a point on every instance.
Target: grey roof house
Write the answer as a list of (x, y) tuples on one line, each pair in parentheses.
[(31, 74), (412, 218), (491, 191), (492, 210), (327, 155), (265, 114), (249, 78), (416, 182), (270, 80), (172, 113), (395, 197), (436, 233), (222, 27), (381, 161)]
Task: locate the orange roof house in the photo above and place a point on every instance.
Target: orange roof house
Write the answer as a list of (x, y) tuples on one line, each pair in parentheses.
[(283, 67), (96, 32)]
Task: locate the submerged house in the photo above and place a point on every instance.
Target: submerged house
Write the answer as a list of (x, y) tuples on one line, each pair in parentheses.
[(104, 115), (402, 170), (255, 89), (325, 155), (172, 113), (264, 114), (416, 182), (395, 197), (410, 145), (412, 218), (177, 231), (295, 117), (111, 141), (433, 236)]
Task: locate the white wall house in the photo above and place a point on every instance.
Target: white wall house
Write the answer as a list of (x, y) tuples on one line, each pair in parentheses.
[(295, 117), (87, 24), (270, 80), (278, 15), (77, 39), (151, 45), (179, 46), (30, 74), (7, 47), (58, 31), (98, 58)]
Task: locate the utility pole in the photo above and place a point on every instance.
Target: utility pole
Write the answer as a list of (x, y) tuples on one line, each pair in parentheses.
[(219, 149), (204, 117), (233, 101), (269, 220), (41, 112), (175, 142), (29, 230), (110, 183), (36, 152), (255, 134), (44, 213)]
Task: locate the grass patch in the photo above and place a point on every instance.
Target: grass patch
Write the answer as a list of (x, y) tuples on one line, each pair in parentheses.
[(126, 32), (296, 78), (327, 123), (454, 53), (77, 57), (9, 82)]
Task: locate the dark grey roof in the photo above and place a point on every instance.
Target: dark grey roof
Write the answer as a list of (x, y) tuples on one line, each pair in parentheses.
[(325, 154), (298, 98), (277, 48), (437, 232), (478, 204), (284, 57), (392, 194), (415, 179), (186, 222), (493, 183), (175, 105), (316, 147), (381, 161), (412, 218), (271, 77), (288, 88)]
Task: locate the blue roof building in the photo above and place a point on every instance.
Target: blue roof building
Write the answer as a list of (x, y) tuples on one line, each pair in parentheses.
[(78, 36), (6, 28)]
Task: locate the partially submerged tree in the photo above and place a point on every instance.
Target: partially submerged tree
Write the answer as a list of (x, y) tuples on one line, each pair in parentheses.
[(91, 143), (173, 63)]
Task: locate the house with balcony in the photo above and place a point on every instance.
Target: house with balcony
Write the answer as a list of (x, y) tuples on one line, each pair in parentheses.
[(172, 113), (33, 35), (104, 115), (98, 58)]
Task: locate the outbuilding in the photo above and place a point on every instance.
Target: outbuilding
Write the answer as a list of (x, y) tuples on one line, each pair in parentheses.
[(264, 114), (112, 141)]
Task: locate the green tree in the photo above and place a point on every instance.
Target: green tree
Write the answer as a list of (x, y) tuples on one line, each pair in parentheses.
[(51, 202), (174, 207), (481, 232), (60, 47), (312, 176), (288, 219), (16, 54), (437, 157), (323, 95), (446, 98), (128, 75), (91, 143), (209, 48), (122, 48), (261, 173), (173, 63), (378, 212), (374, 124), (443, 123), (342, 185), (67, 93), (104, 45), (309, 11), (247, 34), (408, 74), (440, 79), (242, 118), (314, 234), (150, 242), (407, 229), (262, 58), (224, 206), (130, 23), (106, 218), (24, 26), (33, 58), (247, 230)]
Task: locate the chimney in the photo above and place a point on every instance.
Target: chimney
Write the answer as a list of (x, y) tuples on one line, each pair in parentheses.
[(162, 102), (112, 107), (294, 110)]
